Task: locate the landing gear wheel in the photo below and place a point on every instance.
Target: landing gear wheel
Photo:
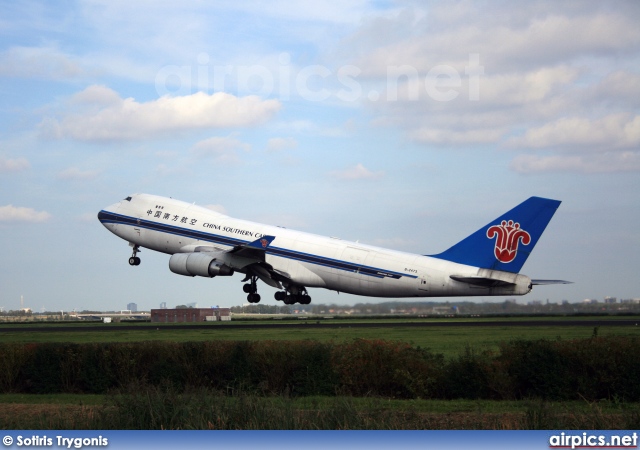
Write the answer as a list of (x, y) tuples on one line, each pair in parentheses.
[(293, 294), (248, 288), (253, 298), (134, 260)]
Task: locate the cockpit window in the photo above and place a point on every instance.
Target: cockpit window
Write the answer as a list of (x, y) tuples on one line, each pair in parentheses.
[(128, 199)]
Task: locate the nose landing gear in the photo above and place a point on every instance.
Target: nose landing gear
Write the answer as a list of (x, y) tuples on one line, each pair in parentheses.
[(134, 260)]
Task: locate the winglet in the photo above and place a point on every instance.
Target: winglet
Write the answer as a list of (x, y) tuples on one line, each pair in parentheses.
[(261, 243), (256, 249)]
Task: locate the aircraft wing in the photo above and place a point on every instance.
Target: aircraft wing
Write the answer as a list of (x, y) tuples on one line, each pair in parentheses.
[(252, 256), (539, 282), (209, 260)]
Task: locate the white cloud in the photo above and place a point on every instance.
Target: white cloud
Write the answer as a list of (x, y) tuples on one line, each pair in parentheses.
[(615, 89), (97, 95), (505, 101), (222, 149), (107, 117), (527, 40), (13, 165), (558, 77), (278, 144), (359, 172), (457, 137), (12, 213), (615, 131), (521, 88), (609, 162), (75, 174), (39, 62), (494, 89)]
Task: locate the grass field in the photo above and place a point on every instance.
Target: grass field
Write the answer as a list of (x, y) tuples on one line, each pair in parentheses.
[(160, 410), (449, 341), (209, 410)]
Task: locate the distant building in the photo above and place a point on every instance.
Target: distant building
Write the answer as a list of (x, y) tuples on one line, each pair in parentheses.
[(444, 310), (192, 305), (610, 300), (133, 307), (181, 315), (163, 305)]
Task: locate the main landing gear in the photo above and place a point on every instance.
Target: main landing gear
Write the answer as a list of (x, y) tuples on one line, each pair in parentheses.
[(134, 260), (252, 290), (292, 295)]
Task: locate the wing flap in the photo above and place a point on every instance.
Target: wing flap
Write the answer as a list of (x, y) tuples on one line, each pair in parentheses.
[(265, 275)]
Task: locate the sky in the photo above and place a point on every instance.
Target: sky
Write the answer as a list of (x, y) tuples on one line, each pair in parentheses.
[(401, 124)]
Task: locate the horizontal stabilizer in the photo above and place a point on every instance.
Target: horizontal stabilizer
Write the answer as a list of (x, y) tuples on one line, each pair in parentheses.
[(539, 282), (482, 281)]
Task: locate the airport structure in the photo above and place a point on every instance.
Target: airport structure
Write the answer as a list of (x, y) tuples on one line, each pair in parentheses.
[(181, 315)]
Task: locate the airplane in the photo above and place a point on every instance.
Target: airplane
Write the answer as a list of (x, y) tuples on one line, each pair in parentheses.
[(206, 243)]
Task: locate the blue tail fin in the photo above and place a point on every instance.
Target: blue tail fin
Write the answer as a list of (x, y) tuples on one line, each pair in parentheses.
[(506, 242)]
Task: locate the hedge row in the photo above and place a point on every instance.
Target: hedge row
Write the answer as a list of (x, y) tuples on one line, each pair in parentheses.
[(592, 369)]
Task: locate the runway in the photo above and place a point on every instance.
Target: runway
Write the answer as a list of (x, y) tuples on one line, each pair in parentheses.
[(312, 323)]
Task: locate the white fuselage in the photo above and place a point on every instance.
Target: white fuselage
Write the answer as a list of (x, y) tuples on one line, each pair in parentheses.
[(171, 226)]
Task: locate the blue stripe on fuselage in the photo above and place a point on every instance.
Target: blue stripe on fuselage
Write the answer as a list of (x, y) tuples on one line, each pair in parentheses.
[(106, 217)]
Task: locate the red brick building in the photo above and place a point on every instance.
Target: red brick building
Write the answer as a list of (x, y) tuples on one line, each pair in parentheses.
[(182, 315)]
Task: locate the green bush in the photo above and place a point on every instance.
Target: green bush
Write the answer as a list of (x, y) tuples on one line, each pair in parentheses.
[(389, 369), (591, 369), (538, 370), (465, 377)]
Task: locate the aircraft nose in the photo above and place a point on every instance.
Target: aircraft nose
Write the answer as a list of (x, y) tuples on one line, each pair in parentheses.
[(102, 216), (106, 215)]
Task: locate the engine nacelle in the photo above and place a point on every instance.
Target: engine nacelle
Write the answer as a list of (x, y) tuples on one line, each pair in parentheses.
[(200, 264)]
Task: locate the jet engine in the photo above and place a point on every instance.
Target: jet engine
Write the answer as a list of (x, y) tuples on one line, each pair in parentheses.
[(200, 264)]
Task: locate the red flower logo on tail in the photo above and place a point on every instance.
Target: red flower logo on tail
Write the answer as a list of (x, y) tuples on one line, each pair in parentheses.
[(508, 235)]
